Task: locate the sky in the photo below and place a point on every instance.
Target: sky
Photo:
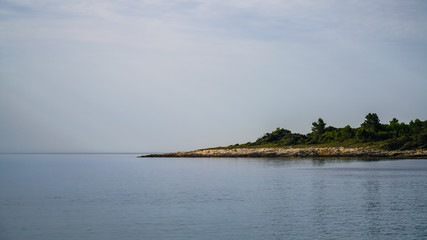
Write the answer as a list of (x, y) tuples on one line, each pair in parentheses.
[(158, 76)]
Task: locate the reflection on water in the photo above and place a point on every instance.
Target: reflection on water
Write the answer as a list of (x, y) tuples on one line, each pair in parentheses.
[(372, 206), (307, 162), (120, 196)]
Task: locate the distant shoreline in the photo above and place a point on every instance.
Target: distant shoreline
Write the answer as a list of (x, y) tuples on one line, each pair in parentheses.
[(293, 152)]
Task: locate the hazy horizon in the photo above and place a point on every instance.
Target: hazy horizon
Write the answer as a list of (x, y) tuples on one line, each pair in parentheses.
[(157, 76)]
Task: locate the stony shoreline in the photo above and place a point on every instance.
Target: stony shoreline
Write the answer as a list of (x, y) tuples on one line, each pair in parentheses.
[(293, 152)]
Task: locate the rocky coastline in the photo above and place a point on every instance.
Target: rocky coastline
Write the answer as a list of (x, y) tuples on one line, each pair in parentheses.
[(309, 152)]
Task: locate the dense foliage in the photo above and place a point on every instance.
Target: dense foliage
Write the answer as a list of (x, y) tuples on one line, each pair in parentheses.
[(392, 136)]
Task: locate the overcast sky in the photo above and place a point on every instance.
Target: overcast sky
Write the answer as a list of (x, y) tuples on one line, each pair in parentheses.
[(151, 75)]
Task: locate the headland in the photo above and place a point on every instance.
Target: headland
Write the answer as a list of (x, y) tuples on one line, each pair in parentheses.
[(308, 152), (372, 139)]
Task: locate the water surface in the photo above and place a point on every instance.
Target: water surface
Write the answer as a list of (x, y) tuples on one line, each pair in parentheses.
[(118, 196)]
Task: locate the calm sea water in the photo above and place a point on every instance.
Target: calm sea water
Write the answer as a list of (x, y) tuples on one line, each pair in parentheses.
[(118, 196)]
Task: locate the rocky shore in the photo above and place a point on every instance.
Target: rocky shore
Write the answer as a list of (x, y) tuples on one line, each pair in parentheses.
[(294, 152)]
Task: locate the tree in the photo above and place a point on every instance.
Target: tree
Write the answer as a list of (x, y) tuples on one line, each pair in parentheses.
[(346, 132), (415, 126), (390, 136), (362, 134), (395, 127), (274, 136), (318, 127), (372, 122)]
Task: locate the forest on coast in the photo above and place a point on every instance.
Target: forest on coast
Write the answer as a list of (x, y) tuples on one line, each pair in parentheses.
[(392, 136)]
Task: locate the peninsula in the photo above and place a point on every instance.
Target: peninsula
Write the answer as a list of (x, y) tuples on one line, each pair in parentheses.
[(371, 139)]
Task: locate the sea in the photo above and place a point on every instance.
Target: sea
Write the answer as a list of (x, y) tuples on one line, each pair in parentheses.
[(120, 196)]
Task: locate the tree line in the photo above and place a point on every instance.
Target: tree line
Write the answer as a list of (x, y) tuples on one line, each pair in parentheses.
[(392, 136)]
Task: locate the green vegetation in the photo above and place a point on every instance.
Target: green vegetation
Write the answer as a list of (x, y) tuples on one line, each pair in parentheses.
[(371, 133)]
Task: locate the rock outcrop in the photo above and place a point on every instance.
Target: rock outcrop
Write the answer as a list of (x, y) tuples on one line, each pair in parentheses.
[(295, 152)]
